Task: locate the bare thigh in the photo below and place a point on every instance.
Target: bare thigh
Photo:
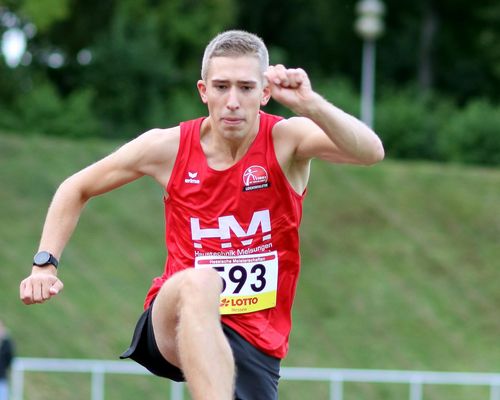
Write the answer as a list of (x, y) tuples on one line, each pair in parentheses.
[(178, 290)]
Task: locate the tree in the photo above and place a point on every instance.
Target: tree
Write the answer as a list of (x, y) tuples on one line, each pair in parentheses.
[(449, 39), (143, 54), (146, 53)]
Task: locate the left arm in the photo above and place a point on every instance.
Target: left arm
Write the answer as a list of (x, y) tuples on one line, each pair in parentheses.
[(323, 130)]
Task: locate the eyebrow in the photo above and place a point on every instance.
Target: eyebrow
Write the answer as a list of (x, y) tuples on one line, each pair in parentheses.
[(243, 82)]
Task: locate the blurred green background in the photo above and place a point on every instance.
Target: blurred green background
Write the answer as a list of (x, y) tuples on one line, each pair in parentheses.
[(400, 261), (117, 68)]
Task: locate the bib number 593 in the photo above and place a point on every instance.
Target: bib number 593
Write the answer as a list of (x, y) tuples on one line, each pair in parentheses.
[(239, 276), (249, 282)]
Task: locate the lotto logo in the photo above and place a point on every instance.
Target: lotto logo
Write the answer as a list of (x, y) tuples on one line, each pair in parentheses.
[(224, 303), (248, 301)]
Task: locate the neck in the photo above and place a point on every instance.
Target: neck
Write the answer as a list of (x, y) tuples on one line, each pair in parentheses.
[(234, 148), (222, 149)]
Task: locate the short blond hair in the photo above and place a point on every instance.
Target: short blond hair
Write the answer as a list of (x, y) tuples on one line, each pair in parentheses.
[(235, 43)]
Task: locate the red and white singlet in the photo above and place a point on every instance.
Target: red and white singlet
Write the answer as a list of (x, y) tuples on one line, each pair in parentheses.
[(243, 222)]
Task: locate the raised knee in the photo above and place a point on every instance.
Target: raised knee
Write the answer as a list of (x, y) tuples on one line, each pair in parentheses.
[(199, 286)]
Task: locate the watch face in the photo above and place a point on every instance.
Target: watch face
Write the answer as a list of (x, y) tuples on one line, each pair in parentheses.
[(42, 258)]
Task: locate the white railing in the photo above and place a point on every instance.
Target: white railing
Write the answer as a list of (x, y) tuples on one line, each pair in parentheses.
[(415, 379), (97, 369), (336, 377)]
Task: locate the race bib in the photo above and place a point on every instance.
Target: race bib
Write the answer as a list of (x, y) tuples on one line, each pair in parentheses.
[(250, 282)]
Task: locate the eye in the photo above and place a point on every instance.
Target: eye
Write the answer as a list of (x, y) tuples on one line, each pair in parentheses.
[(219, 85)]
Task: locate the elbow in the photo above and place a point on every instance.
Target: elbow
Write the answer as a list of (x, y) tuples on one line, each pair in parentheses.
[(376, 154), (70, 190), (379, 153)]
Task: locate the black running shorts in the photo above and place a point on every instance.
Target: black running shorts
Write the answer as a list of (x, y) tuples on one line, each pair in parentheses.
[(257, 373)]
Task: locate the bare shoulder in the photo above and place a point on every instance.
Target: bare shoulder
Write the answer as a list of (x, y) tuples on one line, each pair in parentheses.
[(308, 140), (158, 143), (289, 133), (295, 126), (153, 153)]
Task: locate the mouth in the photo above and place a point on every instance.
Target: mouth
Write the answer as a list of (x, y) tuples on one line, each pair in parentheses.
[(232, 120)]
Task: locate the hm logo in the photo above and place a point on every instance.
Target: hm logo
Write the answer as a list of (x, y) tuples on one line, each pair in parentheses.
[(228, 225)]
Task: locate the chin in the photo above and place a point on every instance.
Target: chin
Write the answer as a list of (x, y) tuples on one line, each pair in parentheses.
[(234, 133)]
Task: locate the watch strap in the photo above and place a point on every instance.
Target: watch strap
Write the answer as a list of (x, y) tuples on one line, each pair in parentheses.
[(43, 258)]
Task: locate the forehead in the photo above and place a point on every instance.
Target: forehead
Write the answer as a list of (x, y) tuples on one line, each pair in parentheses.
[(241, 68)]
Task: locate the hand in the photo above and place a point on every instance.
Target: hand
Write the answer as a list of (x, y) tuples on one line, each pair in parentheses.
[(40, 286), (290, 87)]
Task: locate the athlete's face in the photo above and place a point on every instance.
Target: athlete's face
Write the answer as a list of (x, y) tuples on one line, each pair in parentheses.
[(234, 91)]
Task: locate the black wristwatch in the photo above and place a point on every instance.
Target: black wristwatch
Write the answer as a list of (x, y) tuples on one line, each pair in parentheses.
[(44, 258)]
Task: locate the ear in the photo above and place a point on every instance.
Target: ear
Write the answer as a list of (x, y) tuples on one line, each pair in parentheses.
[(266, 94), (202, 90)]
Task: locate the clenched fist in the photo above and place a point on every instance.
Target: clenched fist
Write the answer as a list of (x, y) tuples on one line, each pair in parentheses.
[(40, 286)]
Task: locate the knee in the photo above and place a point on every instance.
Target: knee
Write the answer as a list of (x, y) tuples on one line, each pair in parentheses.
[(200, 287)]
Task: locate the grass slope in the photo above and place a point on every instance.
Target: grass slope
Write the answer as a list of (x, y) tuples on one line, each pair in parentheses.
[(400, 270)]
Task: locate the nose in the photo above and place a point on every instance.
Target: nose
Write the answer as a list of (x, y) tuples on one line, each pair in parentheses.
[(233, 102)]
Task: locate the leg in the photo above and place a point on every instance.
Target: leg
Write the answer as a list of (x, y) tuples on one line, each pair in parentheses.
[(187, 328), (258, 373)]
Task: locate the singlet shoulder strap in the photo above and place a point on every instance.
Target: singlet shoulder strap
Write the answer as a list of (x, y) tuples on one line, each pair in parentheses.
[(189, 132), (267, 121)]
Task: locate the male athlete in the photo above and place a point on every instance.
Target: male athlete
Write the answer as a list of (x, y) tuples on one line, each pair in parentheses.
[(219, 316)]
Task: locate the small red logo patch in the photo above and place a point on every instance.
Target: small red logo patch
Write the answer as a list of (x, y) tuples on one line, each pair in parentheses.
[(255, 175)]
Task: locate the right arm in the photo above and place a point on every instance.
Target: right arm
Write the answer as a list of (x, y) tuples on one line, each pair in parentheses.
[(153, 154)]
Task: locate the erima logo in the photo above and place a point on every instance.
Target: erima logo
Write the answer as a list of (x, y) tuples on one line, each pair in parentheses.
[(228, 225), (192, 178)]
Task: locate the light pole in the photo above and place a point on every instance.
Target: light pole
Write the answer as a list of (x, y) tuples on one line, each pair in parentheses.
[(369, 26)]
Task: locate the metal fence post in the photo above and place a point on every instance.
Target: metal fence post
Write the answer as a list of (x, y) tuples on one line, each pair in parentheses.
[(17, 381), (416, 390), (97, 389), (495, 391), (176, 391), (336, 388)]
